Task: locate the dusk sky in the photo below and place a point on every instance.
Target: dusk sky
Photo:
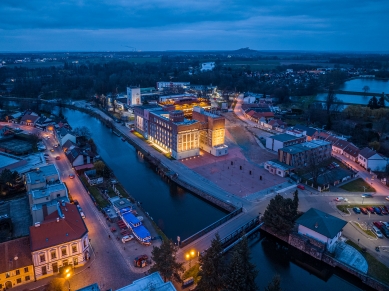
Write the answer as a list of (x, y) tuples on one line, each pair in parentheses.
[(151, 25)]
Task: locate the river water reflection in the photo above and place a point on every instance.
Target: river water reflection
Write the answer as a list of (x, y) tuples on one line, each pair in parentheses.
[(181, 213)]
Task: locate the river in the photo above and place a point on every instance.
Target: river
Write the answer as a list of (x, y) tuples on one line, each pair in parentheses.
[(180, 213), (356, 85)]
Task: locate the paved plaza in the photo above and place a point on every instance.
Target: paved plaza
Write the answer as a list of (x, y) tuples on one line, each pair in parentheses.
[(233, 173)]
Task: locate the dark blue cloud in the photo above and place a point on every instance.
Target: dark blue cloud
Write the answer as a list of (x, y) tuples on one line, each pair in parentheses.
[(194, 24)]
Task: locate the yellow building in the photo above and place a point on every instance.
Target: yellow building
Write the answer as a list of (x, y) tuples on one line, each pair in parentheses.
[(15, 263)]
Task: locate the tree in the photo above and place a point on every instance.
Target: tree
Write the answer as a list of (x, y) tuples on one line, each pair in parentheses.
[(99, 166), (373, 103), (56, 284), (83, 131), (296, 200), (7, 179), (275, 284), (165, 261), (366, 89), (280, 214), (375, 145), (212, 267), (381, 101), (241, 273), (92, 145)]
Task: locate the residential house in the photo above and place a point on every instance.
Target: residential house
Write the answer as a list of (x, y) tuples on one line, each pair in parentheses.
[(45, 190), (321, 227), (277, 124), (276, 167), (370, 159), (64, 134), (79, 158), (60, 240), (14, 118), (309, 132), (16, 266), (276, 142), (351, 152), (29, 119), (44, 122), (339, 146)]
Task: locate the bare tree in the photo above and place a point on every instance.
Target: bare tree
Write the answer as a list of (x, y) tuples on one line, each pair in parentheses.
[(366, 89), (83, 131)]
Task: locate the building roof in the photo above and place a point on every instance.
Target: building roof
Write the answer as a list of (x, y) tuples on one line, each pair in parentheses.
[(302, 147), (40, 174), (92, 287), (40, 193), (284, 137), (29, 118), (321, 222), (279, 165), (341, 144), (352, 150), (18, 249), (367, 153), (310, 131), (69, 227), (151, 282)]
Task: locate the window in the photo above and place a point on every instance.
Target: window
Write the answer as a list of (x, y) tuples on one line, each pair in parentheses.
[(44, 270), (17, 272), (27, 278), (7, 275), (53, 255), (18, 280), (63, 251), (42, 258), (26, 270), (74, 249)]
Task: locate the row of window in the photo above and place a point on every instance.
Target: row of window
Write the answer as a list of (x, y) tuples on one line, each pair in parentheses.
[(17, 272), (53, 253), (18, 281)]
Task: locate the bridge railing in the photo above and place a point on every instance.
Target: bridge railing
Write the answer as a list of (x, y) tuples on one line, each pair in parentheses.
[(210, 227), (238, 232)]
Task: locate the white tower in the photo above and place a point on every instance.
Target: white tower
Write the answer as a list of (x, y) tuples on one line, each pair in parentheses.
[(133, 96)]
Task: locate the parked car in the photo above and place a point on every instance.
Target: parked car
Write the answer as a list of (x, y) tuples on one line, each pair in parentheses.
[(75, 201), (357, 210), (127, 238), (386, 224), (377, 210), (302, 187), (377, 224), (79, 208), (55, 145), (385, 231), (339, 199), (367, 195), (71, 176), (370, 209), (386, 208), (383, 211), (52, 150), (57, 157), (82, 214), (363, 210), (377, 232)]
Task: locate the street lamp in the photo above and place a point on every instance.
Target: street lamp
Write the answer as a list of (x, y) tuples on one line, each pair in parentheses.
[(189, 256), (67, 276)]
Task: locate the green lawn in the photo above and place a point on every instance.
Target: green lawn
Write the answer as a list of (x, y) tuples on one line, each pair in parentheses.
[(367, 231), (192, 272), (95, 193), (357, 186), (376, 269)]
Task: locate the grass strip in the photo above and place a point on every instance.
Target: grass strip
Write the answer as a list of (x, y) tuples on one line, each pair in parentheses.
[(358, 185)]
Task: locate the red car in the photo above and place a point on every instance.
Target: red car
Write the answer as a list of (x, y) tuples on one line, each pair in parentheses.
[(370, 209), (57, 157), (378, 224), (301, 187), (363, 210)]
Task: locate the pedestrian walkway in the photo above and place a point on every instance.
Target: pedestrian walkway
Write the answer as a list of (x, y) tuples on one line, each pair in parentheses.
[(280, 188)]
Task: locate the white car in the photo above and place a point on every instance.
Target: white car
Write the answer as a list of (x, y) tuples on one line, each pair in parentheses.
[(340, 199), (387, 198), (82, 214), (127, 238)]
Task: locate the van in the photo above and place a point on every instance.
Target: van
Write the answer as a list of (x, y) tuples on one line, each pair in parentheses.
[(187, 282), (377, 232)]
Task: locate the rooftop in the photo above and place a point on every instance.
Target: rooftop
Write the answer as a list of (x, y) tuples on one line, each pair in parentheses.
[(92, 287), (52, 232), (15, 254), (321, 222), (284, 137), (36, 194), (367, 152), (151, 282), (279, 165)]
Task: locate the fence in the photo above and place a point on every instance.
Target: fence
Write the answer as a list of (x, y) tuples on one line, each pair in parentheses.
[(237, 233), (210, 227)]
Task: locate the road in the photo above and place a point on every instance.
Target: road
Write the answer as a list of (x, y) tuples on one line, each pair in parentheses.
[(110, 266)]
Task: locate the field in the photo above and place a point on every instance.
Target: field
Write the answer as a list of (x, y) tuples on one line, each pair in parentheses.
[(254, 65), (357, 186), (36, 65)]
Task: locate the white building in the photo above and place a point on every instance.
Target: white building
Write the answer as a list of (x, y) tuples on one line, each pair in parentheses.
[(133, 96), (149, 283), (162, 85), (60, 240), (320, 226), (208, 66), (279, 141), (370, 159)]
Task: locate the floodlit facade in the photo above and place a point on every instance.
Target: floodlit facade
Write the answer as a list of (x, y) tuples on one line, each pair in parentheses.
[(133, 96)]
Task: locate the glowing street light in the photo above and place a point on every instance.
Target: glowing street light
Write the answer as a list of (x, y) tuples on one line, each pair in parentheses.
[(189, 256)]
